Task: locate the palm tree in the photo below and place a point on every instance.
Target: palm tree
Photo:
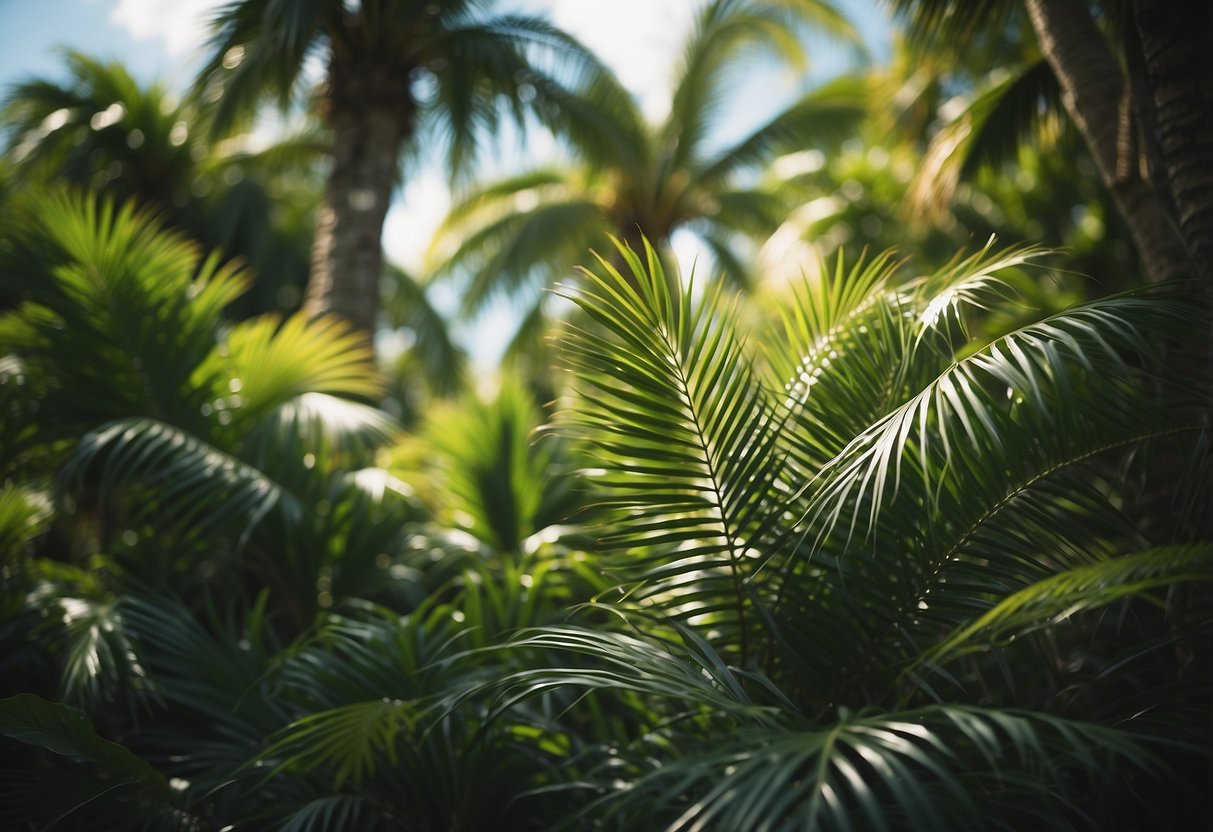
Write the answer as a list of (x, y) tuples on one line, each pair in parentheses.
[(398, 73), (103, 131), (877, 584), (633, 178), (193, 524)]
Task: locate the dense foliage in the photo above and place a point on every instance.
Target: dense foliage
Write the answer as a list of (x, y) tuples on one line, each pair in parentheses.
[(865, 544)]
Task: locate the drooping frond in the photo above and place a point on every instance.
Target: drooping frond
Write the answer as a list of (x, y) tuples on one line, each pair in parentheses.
[(992, 128), (258, 48), (193, 482), (407, 305), (524, 250), (264, 363), (824, 116), (946, 767), (1070, 593), (949, 25)]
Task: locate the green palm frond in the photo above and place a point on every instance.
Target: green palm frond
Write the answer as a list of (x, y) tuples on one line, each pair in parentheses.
[(1001, 119), (490, 476), (192, 482), (100, 129), (351, 737), (723, 29), (686, 669), (949, 26), (1071, 593), (521, 250), (408, 306), (961, 413), (217, 664), (601, 119), (258, 47), (127, 316), (919, 769), (488, 62), (328, 430), (67, 732), (825, 116), (695, 431), (24, 515), (264, 363)]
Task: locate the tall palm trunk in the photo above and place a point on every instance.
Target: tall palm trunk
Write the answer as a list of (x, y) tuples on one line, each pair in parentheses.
[(1094, 94), (368, 129), (1176, 44)]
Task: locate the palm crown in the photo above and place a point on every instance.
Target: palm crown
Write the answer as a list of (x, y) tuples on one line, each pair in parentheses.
[(395, 71), (633, 177)]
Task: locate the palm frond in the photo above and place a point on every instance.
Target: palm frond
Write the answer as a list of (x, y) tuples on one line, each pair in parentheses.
[(193, 482), (24, 515), (723, 29), (1071, 593), (824, 116), (948, 26), (918, 769), (127, 317), (960, 410), (264, 363), (1001, 119), (523, 249), (407, 305), (66, 731), (693, 430), (329, 431), (258, 48)]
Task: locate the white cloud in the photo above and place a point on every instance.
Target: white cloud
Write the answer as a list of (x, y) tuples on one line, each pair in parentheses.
[(180, 25)]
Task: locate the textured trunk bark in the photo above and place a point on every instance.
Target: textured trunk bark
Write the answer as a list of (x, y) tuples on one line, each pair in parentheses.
[(347, 258), (1093, 87), (1176, 39)]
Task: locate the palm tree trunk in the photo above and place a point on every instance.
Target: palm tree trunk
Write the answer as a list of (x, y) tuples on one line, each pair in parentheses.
[(347, 257), (1176, 38), (1093, 88)]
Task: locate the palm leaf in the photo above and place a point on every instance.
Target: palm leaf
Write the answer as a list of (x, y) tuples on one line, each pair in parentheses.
[(1022, 108), (691, 428), (918, 769), (725, 28), (126, 318), (193, 482), (826, 115), (1070, 593), (264, 364), (408, 306), (66, 731)]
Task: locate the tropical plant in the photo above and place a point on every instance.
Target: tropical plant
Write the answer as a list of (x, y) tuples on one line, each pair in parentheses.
[(876, 584), (195, 537), (630, 177), (1116, 68), (102, 130), (397, 72)]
